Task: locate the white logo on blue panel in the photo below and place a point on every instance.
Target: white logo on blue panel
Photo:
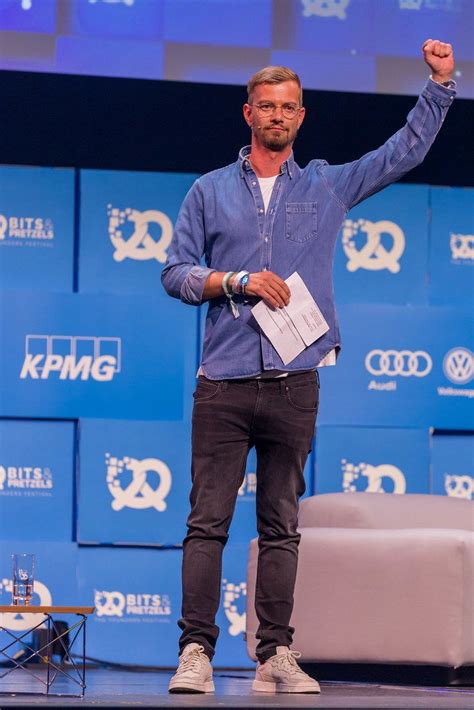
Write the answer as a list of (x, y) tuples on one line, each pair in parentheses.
[(462, 248), (71, 357), (26, 480), (232, 593), (403, 363), (459, 486), (325, 8), (122, 604), (139, 245), (128, 3), (23, 621), (372, 255), (26, 231), (373, 478), (248, 489), (458, 365), (137, 493)]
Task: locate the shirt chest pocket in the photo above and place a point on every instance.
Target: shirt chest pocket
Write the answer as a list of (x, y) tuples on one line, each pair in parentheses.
[(301, 221)]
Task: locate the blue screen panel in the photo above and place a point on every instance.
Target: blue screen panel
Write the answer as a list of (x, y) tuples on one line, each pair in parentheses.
[(374, 460), (37, 16), (36, 480), (36, 228), (452, 457), (126, 19)]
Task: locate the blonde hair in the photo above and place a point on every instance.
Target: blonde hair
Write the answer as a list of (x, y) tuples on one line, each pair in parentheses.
[(273, 75)]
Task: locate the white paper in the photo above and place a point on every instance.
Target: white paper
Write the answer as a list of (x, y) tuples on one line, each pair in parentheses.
[(292, 328)]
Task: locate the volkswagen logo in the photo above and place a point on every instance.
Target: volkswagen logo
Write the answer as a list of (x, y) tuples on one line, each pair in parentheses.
[(458, 365), (398, 362)]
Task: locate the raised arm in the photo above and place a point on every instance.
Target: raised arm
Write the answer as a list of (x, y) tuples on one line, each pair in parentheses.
[(353, 182)]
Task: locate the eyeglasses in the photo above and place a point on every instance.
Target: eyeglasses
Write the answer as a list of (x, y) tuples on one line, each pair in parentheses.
[(266, 108)]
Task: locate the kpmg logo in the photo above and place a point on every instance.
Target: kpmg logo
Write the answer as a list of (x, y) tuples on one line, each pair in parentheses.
[(137, 492), (71, 357), (325, 8), (26, 231), (140, 244), (372, 255), (23, 621), (122, 605), (374, 479), (232, 593), (462, 248), (459, 486), (28, 480)]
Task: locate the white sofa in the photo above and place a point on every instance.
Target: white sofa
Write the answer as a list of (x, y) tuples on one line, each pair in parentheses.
[(381, 579)]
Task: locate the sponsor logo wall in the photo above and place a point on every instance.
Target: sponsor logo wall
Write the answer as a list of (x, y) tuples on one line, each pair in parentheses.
[(36, 228), (401, 366), (372, 460), (117, 360), (36, 480)]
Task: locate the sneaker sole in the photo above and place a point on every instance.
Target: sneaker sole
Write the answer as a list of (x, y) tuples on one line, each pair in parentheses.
[(266, 686), (180, 687)]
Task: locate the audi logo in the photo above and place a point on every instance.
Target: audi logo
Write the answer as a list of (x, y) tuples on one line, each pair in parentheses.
[(398, 362)]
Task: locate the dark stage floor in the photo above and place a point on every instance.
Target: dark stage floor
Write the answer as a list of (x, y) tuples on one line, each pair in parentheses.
[(122, 689)]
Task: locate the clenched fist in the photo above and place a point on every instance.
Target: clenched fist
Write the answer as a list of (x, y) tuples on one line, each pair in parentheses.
[(440, 59)]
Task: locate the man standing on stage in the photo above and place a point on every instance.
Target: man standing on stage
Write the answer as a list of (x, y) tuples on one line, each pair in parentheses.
[(256, 222)]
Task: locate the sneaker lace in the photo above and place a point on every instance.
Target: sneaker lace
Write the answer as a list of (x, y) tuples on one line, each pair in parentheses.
[(191, 661), (287, 662)]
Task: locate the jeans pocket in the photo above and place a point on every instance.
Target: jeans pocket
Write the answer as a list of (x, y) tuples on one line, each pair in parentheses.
[(206, 389), (301, 221), (303, 397)]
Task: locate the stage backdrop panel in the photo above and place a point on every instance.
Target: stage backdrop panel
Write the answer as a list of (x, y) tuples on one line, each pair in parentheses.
[(382, 253), (36, 228), (134, 481), (55, 580), (451, 263), (103, 356), (376, 460), (452, 464), (403, 367), (137, 595), (36, 480), (231, 649), (126, 225)]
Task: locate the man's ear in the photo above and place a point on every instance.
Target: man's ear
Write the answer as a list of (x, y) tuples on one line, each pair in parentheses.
[(247, 111)]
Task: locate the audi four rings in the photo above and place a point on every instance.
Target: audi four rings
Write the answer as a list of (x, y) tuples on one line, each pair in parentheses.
[(399, 362)]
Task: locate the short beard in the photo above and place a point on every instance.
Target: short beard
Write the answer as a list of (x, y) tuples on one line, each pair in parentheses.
[(274, 144)]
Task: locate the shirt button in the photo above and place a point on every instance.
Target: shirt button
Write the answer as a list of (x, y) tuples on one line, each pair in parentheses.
[(266, 239), (260, 210), (254, 183), (264, 268)]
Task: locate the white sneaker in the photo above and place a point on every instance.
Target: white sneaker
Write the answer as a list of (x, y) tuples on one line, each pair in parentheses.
[(282, 674), (194, 673)]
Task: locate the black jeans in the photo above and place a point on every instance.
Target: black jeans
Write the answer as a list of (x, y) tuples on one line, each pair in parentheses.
[(277, 416)]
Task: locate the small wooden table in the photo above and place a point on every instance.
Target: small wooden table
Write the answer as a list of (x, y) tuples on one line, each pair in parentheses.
[(60, 637)]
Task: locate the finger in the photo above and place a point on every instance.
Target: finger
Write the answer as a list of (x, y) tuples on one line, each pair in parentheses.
[(282, 289), (279, 283), (275, 294), (426, 44)]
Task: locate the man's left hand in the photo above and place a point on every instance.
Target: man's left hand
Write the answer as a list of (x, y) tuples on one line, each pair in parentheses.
[(440, 59)]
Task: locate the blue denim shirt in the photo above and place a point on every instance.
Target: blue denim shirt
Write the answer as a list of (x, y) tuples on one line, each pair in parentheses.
[(223, 220)]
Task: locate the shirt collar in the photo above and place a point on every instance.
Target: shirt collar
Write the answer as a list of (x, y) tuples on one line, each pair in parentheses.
[(245, 165)]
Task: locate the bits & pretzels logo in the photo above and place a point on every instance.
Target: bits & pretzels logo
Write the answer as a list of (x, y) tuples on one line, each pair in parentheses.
[(233, 592), (139, 245), (459, 486), (26, 231), (385, 478), (372, 256), (325, 8), (462, 248), (123, 605), (136, 492), (25, 480), (71, 357), (24, 621)]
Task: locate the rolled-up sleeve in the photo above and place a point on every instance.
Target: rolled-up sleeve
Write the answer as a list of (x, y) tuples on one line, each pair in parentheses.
[(183, 275)]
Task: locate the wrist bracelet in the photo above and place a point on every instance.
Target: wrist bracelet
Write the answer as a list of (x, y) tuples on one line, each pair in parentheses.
[(236, 288), (225, 282)]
